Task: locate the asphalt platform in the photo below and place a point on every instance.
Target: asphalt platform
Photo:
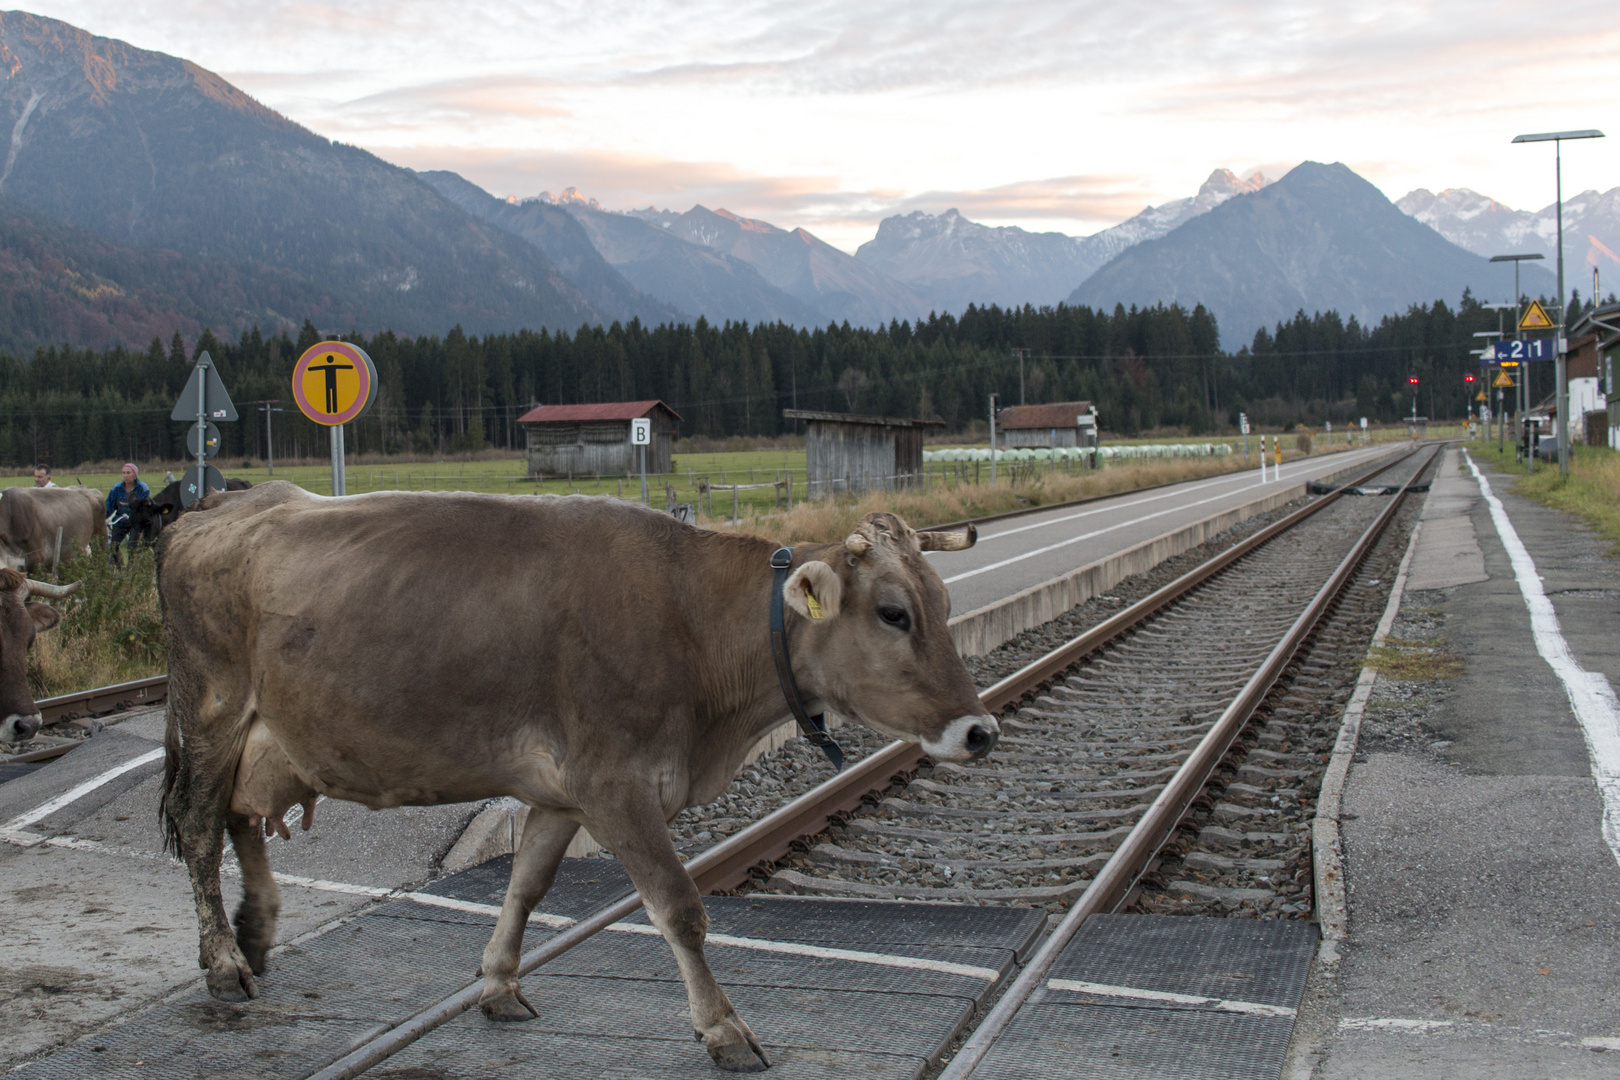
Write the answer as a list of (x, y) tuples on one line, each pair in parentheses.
[(1484, 896)]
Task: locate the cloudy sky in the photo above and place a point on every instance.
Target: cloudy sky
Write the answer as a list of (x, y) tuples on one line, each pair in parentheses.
[(833, 114)]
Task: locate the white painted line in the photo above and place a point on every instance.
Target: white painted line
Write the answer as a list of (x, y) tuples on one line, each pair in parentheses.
[(1085, 536), (794, 948), (376, 892), (1382, 1023), (1248, 1008), (556, 922), (1600, 1042), (45, 810), (1590, 695)]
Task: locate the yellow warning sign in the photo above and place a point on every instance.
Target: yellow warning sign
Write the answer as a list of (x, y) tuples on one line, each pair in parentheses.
[(333, 382), (1501, 380), (1535, 317), (1481, 396)]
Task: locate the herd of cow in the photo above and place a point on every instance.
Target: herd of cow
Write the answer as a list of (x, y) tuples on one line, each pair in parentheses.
[(606, 664), (41, 526)]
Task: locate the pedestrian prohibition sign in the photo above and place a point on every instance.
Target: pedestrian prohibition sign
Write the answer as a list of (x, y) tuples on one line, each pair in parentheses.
[(334, 382)]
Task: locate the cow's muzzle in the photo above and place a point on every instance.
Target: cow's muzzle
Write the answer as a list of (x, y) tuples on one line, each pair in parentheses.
[(964, 739), (16, 729)]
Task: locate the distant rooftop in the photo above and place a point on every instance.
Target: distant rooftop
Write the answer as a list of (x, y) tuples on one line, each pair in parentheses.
[(606, 410), (1059, 415), (855, 418)]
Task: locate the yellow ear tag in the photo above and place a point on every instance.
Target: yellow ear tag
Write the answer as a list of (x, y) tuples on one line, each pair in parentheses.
[(814, 605)]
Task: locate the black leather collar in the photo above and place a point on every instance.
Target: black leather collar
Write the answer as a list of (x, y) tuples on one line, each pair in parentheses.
[(814, 727)]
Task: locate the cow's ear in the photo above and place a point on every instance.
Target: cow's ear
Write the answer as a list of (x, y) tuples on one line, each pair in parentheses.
[(45, 617), (814, 590)]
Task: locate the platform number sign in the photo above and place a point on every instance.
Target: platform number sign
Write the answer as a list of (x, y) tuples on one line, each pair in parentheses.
[(641, 432)]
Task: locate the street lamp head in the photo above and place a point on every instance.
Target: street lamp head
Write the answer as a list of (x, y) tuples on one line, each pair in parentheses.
[(1515, 258), (1559, 136)]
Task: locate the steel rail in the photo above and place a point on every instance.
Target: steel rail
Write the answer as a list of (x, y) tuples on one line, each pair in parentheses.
[(103, 699), (1135, 854), (728, 863)]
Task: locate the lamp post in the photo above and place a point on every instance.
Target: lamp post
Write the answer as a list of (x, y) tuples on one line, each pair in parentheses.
[(1562, 429)]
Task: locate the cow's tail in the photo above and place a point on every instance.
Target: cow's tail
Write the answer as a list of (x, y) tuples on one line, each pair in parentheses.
[(176, 782)]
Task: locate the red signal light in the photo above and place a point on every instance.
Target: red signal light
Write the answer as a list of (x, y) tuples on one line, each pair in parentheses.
[(1468, 378), (1413, 379)]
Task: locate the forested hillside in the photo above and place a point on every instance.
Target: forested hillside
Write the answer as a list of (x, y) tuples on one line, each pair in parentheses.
[(1146, 368)]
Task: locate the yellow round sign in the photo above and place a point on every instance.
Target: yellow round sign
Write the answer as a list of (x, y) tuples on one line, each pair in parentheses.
[(334, 382)]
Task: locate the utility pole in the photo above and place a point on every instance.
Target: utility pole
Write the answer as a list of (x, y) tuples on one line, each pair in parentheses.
[(1023, 354), (993, 440), (269, 440)]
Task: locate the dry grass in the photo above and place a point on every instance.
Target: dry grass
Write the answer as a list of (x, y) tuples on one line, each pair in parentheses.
[(1591, 493), (826, 521), (110, 632), (1414, 661)]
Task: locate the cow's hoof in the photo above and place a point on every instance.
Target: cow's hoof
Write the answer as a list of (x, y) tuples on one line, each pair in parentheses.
[(507, 1008), (230, 980), (733, 1047)]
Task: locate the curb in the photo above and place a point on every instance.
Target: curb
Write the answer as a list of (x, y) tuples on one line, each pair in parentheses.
[(1327, 849)]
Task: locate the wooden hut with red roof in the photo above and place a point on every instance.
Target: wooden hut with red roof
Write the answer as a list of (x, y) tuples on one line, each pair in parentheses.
[(581, 440)]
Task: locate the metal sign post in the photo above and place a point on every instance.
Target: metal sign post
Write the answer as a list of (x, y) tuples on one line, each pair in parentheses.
[(640, 437), (992, 440), (333, 383), (203, 401)]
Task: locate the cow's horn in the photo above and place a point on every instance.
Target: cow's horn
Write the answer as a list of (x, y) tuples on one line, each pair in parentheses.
[(55, 592), (948, 541), (857, 543)]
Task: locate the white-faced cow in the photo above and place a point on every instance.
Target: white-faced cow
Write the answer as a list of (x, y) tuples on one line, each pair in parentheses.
[(30, 516), (603, 663), (20, 621)]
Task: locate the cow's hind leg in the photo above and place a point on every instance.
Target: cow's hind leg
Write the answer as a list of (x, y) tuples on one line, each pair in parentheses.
[(639, 835), (230, 976), (261, 899), (534, 868), (197, 780)]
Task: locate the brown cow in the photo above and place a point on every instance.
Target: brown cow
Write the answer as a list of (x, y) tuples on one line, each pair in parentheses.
[(30, 516), (603, 663), (19, 622)]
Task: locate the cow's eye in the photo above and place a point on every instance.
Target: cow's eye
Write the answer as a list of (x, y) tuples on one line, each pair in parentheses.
[(895, 616)]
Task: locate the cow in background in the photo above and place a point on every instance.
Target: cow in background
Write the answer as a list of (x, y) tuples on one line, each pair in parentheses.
[(30, 517), (147, 517), (20, 621)]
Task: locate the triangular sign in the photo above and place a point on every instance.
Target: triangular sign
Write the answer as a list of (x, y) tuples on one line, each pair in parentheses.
[(1535, 317), (1503, 380), (218, 404)]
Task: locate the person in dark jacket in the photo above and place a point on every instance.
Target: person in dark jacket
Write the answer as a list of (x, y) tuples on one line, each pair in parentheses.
[(118, 522)]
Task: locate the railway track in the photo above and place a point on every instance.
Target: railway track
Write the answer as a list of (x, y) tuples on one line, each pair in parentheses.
[(1109, 765)]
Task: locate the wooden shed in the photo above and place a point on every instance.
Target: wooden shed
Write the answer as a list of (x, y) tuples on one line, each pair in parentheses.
[(844, 452), (1066, 423), (581, 440)]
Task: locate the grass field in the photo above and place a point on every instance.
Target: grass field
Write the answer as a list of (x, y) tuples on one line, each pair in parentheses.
[(1591, 493), (505, 474)]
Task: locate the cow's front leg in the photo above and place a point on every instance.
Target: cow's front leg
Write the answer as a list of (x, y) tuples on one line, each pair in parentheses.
[(534, 867), (634, 829)]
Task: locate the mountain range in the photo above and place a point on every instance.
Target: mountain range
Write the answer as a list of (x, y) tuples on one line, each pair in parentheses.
[(955, 262), (1486, 227), (141, 194), (1320, 238)]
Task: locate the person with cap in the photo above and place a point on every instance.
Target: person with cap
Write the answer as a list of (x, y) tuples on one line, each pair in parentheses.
[(118, 520)]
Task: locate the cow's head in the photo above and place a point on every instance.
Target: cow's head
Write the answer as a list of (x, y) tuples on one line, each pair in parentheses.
[(20, 620), (148, 516), (881, 652)]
